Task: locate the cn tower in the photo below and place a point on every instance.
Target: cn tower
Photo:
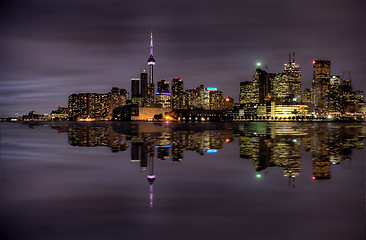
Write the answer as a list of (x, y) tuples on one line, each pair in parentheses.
[(151, 61)]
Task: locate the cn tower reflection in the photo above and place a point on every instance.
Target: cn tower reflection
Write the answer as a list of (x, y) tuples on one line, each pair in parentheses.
[(151, 179)]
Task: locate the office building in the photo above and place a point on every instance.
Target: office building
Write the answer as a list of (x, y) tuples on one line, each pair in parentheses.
[(177, 94), (143, 86), (246, 92), (135, 87), (261, 86), (320, 86)]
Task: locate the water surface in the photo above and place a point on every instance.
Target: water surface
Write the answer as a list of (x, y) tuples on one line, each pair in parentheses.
[(256, 180)]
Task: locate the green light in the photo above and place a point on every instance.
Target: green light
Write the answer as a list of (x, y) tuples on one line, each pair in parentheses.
[(258, 176), (259, 64)]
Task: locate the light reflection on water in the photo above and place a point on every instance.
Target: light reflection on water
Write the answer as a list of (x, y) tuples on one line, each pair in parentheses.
[(183, 180)]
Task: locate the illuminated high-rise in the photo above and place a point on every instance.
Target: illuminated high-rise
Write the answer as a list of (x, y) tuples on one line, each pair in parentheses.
[(216, 100), (335, 95), (89, 106), (293, 73), (177, 93), (118, 98), (320, 85), (260, 85), (246, 92), (286, 86), (143, 86)]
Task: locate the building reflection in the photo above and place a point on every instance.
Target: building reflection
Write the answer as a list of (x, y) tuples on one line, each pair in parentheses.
[(266, 144)]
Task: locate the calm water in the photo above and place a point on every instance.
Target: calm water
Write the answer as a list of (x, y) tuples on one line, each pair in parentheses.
[(206, 181)]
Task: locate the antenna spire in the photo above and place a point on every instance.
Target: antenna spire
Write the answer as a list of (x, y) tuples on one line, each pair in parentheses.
[(151, 44)]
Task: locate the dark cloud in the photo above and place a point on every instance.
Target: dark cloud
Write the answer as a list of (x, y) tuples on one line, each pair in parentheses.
[(95, 45)]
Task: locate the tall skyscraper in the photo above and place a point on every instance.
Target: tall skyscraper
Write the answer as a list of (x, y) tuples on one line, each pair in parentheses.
[(286, 86), (260, 86), (335, 95), (216, 100), (177, 93), (246, 92), (293, 73), (135, 87), (177, 86), (151, 64), (320, 85), (143, 82)]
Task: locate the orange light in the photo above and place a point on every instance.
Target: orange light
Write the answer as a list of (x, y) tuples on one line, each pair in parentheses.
[(314, 178), (314, 62), (227, 140), (227, 99)]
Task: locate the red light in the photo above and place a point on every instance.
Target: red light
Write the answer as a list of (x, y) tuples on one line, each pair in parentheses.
[(314, 62), (227, 140), (314, 178)]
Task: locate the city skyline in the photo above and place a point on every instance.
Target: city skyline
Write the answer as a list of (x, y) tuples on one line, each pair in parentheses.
[(48, 57)]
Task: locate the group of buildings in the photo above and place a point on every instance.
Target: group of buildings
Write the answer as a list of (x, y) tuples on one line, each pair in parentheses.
[(278, 95), (268, 96)]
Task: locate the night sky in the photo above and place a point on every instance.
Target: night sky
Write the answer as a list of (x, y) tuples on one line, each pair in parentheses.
[(51, 49)]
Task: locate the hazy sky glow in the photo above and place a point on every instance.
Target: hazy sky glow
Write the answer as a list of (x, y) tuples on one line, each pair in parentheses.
[(54, 48)]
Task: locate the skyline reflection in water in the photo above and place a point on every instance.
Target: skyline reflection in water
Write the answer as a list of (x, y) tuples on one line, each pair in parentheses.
[(117, 180), (265, 144)]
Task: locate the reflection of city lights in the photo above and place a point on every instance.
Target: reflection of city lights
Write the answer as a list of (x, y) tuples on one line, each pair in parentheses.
[(211, 151)]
